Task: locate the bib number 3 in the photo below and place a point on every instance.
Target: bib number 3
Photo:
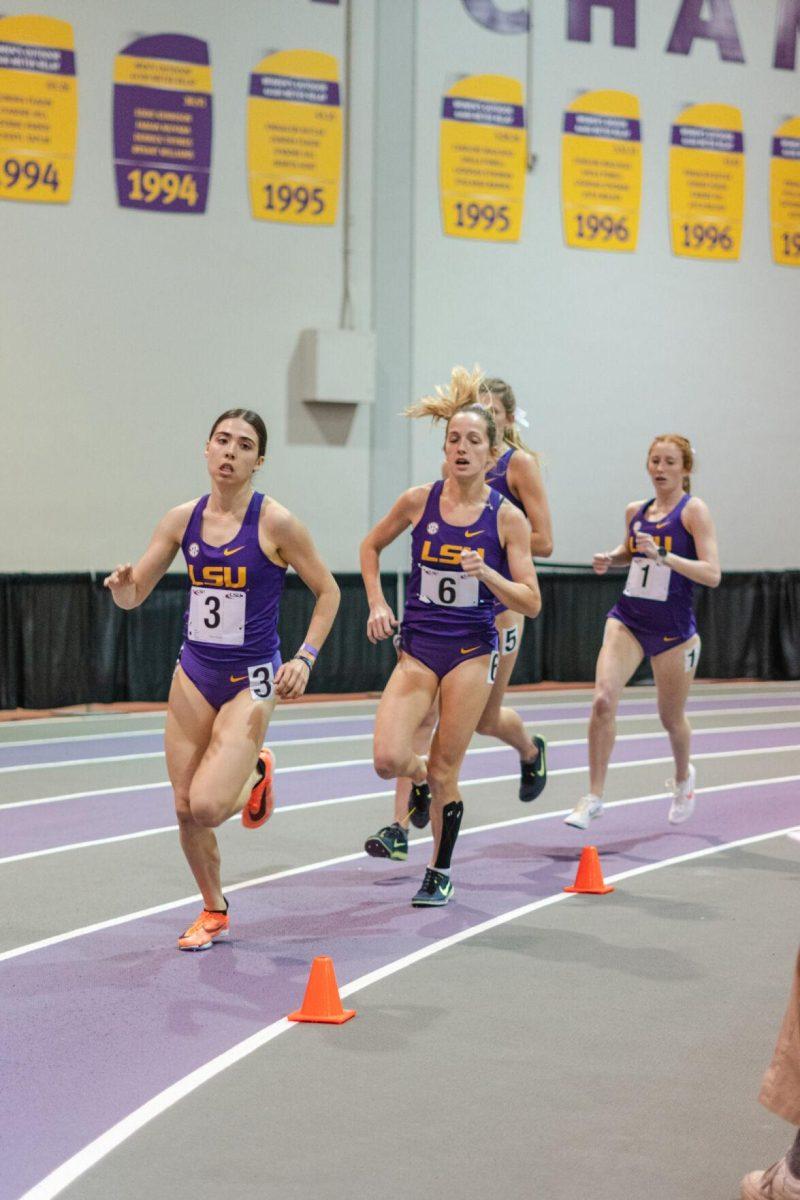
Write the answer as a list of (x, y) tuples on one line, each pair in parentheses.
[(262, 681), (648, 580), (217, 617)]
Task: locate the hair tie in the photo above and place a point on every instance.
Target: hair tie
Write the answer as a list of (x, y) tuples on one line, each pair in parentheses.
[(521, 418)]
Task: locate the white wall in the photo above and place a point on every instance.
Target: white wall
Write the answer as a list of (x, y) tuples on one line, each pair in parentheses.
[(605, 350), (122, 334)]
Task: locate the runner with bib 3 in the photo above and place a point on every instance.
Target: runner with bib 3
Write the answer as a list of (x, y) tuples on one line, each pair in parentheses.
[(670, 545), (237, 544)]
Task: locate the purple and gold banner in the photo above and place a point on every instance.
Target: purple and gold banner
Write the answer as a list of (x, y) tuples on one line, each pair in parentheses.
[(482, 158), (163, 124), (38, 110), (601, 172), (706, 182), (294, 138), (785, 194)]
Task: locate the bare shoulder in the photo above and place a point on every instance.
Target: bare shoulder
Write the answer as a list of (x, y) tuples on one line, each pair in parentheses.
[(632, 508), (174, 522), (275, 520), (512, 520), (695, 512)]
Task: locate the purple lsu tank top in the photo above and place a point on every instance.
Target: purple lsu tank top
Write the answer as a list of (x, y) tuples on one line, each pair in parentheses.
[(676, 611), (436, 569), (235, 592), (497, 478)]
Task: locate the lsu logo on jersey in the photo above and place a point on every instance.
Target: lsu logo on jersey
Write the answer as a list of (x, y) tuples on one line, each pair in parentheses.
[(656, 539), (221, 577), (448, 554)]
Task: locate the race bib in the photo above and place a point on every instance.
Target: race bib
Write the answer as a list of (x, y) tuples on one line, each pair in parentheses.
[(509, 639), (494, 663), (455, 590), (648, 579), (262, 681), (216, 617)]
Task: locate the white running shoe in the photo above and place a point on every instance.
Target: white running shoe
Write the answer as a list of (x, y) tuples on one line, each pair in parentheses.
[(682, 805), (584, 812)]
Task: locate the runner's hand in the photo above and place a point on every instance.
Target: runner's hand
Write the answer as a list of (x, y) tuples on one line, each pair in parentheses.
[(646, 546), (121, 583), (601, 562), (472, 564), (291, 679), (381, 623)]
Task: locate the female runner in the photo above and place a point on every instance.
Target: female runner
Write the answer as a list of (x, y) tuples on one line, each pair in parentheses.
[(237, 544), (516, 475), (469, 548), (670, 545)]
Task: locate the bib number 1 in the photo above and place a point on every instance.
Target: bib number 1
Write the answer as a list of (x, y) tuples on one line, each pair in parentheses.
[(648, 580)]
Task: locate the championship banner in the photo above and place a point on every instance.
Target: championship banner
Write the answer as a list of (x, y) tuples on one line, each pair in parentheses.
[(38, 109), (294, 138), (601, 172), (482, 159), (706, 182), (162, 124), (785, 194)]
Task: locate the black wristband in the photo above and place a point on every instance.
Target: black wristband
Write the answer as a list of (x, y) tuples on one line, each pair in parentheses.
[(662, 552), (302, 658)]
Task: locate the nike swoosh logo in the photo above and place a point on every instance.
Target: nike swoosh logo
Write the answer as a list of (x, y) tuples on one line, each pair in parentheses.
[(474, 533), (235, 550), (666, 639), (470, 648), (239, 678), (662, 524)]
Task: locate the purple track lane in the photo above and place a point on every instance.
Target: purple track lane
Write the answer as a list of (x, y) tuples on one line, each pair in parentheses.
[(35, 827), (74, 749), (106, 1020)]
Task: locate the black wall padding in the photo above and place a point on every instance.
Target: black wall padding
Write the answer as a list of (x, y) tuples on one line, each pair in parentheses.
[(64, 641)]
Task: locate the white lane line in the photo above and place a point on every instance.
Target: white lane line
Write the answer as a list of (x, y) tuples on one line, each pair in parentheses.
[(91, 1154), (523, 710), (291, 808), (236, 887), (355, 762)]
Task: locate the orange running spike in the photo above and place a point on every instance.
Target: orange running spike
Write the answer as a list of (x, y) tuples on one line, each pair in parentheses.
[(589, 878), (322, 1001)]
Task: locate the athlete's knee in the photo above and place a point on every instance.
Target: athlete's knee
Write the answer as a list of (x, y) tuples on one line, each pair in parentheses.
[(673, 722), (442, 775), (604, 703), (206, 810), (387, 762)]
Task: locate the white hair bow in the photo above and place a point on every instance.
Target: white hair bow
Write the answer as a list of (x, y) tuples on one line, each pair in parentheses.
[(521, 418)]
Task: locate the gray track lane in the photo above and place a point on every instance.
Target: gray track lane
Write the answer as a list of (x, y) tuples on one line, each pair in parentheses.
[(322, 1113), (609, 1048)]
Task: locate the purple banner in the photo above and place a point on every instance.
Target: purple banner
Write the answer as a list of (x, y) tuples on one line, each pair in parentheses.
[(162, 136), (786, 147), (177, 47), (603, 125), (47, 60), (483, 112), (699, 137), (294, 89)]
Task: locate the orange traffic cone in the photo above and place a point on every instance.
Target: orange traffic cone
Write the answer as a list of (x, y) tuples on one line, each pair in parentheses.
[(322, 1001), (590, 874)]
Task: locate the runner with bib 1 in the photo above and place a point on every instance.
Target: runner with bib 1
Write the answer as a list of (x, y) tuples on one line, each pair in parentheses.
[(669, 545)]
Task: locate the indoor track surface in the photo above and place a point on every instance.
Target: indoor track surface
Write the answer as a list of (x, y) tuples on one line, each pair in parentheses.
[(521, 1042)]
